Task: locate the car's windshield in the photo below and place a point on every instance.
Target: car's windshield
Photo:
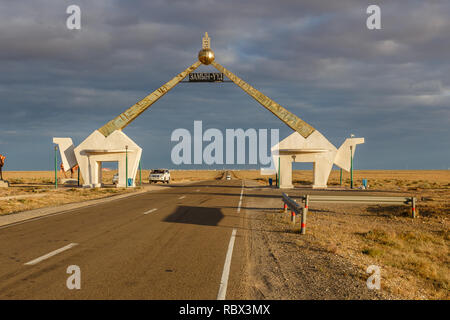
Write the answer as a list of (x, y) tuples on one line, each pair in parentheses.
[(157, 171)]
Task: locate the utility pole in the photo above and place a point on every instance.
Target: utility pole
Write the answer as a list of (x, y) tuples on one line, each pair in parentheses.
[(351, 163), (56, 167), (351, 167), (278, 178), (126, 166)]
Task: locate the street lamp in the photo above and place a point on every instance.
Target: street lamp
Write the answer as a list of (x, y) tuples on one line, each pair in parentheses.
[(351, 163), (278, 173), (126, 166), (140, 174), (56, 167)]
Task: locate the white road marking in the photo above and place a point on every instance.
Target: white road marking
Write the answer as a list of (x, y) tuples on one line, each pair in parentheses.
[(240, 199), (226, 268), (51, 254), (182, 197), (150, 211)]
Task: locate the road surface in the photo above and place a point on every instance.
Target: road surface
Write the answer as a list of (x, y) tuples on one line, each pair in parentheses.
[(186, 242)]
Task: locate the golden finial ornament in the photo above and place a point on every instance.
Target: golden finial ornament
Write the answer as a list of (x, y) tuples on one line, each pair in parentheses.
[(206, 55)]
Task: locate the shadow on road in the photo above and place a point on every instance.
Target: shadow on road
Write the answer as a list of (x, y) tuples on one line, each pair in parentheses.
[(196, 215)]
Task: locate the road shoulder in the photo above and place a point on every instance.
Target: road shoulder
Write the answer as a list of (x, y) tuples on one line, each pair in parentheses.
[(282, 264)]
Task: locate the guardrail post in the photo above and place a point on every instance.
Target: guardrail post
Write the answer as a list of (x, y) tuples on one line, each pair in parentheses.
[(293, 217), (304, 213), (413, 207)]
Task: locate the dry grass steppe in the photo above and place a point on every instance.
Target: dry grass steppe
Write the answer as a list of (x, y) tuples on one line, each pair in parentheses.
[(413, 253)]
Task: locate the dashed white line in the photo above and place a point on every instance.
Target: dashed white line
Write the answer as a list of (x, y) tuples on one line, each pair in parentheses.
[(182, 197), (51, 254), (150, 211), (226, 268), (240, 199)]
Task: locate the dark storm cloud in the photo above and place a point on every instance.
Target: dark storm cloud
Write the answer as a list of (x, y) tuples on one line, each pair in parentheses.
[(316, 58)]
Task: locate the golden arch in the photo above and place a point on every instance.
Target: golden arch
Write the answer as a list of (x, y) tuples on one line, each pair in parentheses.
[(206, 56)]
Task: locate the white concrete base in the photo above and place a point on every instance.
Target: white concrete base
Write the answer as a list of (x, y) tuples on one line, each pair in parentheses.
[(97, 148), (66, 150), (316, 149), (4, 184), (286, 173), (65, 181)]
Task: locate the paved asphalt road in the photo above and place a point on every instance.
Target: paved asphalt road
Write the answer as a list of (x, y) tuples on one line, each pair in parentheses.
[(168, 244)]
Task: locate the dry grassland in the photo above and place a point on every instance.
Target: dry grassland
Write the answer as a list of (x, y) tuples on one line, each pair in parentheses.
[(413, 253)]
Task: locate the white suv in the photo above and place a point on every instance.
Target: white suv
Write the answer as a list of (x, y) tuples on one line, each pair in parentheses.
[(162, 175)]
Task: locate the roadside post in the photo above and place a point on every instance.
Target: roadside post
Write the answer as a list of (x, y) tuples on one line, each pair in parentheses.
[(296, 208), (304, 213), (340, 179), (78, 179), (56, 167), (413, 207)]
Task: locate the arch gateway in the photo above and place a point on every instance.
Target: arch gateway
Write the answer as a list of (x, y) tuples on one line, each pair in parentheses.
[(109, 143)]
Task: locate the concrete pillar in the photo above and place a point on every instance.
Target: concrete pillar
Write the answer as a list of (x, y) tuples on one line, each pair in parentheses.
[(286, 172), (96, 167), (100, 173), (90, 173), (321, 171), (121, 166)]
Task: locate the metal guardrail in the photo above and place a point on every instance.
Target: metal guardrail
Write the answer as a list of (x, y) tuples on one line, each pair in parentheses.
[(358, 199), (296, 208), (363, 199)]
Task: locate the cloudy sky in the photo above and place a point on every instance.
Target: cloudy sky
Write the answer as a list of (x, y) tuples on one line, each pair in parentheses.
[(315, 58)]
